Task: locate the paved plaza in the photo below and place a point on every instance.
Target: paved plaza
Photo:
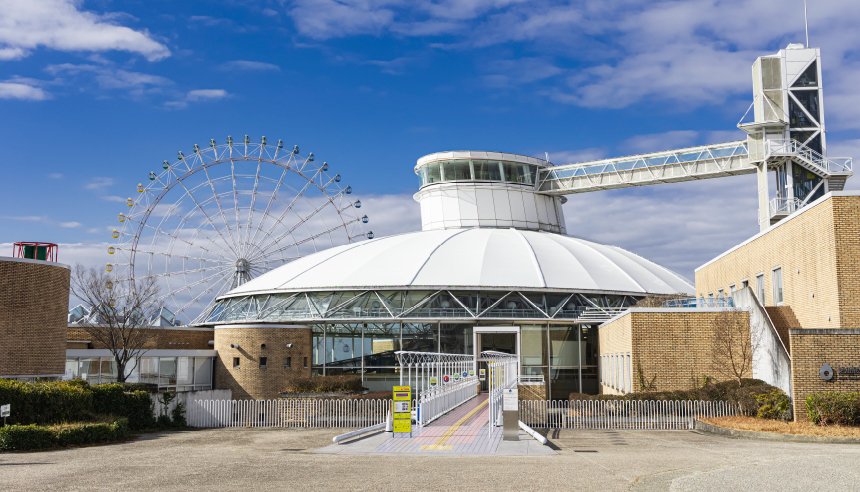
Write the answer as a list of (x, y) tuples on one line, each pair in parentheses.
[(233, 459)]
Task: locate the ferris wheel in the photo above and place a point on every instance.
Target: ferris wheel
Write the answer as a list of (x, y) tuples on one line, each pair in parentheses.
[(223, 214)]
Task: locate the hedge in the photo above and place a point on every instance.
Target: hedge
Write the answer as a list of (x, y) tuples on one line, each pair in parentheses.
[(323, 384), (52, 402), (747, 395), (32, 436), (831, 407)]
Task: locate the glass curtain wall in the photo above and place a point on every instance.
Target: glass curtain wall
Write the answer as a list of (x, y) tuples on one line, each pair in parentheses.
[(182, 373), (566, 356)]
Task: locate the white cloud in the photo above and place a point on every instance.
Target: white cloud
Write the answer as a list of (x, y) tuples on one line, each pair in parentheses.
[(99, 183), (111, 78), (197, 95), (249, 65), (55, 175), (113, 198), (60, 25), (70, 224), (21, 91), (574, 156), (205, 94)]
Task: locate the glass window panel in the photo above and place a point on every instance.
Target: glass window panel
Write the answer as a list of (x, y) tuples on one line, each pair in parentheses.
[(420, 337), (90, 370), (167, 371), (809, 77), (381, 340), (185, 370), (107, 371), (517, 173), (203, 371), (777, 285), (433, 173), (796, 117), (565, 349), (487, 170), (456, 339), (532, 345), (458, 170), (72, 369), (809, 100), (563, 382), (149, 370)]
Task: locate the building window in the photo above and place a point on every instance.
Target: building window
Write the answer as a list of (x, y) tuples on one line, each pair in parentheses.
[(288, 362), (263, 362), (745, 284), (305, 362), (235, 362), (777, 285), (732, 289), (759, 288)]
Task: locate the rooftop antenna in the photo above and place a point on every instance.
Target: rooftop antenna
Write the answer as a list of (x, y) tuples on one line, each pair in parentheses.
[(806, 22)]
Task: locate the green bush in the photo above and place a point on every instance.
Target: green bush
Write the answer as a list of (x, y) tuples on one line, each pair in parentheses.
[(115, 399), (323, 384), (30, 437), (743, 395), (832, 407), (25, 437), (774, 405), (51, 402), (46, 402)]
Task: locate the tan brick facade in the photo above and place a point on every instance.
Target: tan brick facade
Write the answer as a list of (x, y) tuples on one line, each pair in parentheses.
[(674, 348), (249, 380), (811, 349), (818, 251), (167, 338), (34, 303)]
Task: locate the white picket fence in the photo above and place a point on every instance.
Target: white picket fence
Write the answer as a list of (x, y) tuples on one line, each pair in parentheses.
[(287, 412), (626, 414)]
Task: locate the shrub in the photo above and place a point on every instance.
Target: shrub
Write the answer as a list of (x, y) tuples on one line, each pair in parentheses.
[(323, 384), (24, 437), (46, 402), (32, 436), (115, 399), (743, 395), (831, 407), (774, 405)]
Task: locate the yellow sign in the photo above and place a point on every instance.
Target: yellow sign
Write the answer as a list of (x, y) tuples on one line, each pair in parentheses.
[(402, 410)]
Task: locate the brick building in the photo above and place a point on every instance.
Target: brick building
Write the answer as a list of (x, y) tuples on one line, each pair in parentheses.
[(34, 298)]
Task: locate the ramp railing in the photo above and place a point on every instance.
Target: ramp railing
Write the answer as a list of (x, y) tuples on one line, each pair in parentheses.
[(441, 382), (503, 374)]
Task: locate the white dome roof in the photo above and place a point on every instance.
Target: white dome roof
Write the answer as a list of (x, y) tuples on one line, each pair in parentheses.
[(475, 258)]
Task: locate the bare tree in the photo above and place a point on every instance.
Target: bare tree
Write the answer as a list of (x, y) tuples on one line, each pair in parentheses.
[(734, 345), (120, 312)]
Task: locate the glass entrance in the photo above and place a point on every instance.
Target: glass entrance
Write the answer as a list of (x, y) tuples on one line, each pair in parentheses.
[(504, 339)]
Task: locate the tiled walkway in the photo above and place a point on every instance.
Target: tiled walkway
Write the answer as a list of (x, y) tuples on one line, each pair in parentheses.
[(463, 431)]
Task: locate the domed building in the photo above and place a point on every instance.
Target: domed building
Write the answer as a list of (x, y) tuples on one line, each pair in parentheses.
[(491, 269)]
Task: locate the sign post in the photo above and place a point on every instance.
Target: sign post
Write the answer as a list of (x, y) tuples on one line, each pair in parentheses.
[(510, 414), (5, 411), (402, 401)]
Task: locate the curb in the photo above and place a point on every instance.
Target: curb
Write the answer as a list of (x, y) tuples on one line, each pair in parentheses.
[(770, 436)]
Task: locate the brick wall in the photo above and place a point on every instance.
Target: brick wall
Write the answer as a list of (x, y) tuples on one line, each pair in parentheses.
[(818, 250), (674, 347), (34, 303), (163, 338), (249, 380), (810, 349)]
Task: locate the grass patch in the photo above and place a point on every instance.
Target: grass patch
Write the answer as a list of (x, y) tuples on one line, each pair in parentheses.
[(777, 426)]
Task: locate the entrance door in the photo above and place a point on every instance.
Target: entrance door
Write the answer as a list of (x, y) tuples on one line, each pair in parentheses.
[(497, 338)]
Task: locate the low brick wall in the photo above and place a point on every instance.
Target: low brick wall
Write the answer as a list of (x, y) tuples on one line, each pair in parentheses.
[(810, 350)]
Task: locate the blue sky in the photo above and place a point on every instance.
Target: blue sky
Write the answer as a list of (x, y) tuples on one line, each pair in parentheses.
[(94, 94)]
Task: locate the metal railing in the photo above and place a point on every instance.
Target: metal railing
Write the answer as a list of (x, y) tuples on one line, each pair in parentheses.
[(440, 382), (287, 412), (826, 165), (503, 374), (784, 205), (700, 302), (620, 414)]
